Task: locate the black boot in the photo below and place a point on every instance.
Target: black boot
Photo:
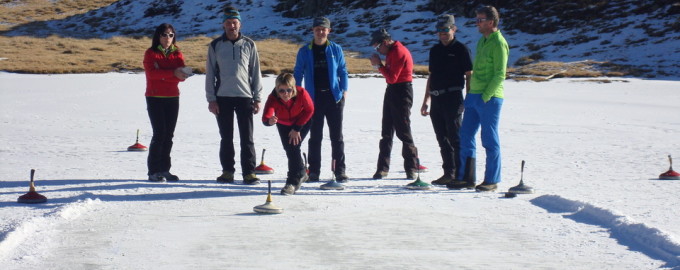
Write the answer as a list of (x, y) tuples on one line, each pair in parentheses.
[(303, 178), (470, 170), (469, 176), (296, 179)]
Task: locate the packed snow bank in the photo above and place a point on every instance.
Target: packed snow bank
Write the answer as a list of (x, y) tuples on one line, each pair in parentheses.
[(31, 236), (637, 236)]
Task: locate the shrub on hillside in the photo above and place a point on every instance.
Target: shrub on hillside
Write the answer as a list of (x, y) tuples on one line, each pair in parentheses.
[(163, 7)]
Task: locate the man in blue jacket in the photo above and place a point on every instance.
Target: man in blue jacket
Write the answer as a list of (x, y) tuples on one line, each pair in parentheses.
[(321, 64)]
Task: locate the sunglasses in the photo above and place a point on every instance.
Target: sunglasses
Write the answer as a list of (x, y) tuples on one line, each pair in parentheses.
[(443, 30), (282, 91), (377, 47), (168, 35), (482, 20)]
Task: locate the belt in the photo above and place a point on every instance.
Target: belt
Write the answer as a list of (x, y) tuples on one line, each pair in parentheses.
[(444, 91), (400, 83)]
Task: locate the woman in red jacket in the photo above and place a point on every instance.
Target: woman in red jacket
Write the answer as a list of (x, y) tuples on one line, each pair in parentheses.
[(163, 63), (290, 108)]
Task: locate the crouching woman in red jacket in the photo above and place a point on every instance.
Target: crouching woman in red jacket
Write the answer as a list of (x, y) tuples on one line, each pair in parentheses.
[(290, 108)]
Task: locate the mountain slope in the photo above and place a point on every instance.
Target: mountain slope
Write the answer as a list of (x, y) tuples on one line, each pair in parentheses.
[(641, 34)]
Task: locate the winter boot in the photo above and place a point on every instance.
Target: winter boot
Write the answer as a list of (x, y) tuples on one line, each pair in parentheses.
[(169, 177), (251, 179), (486, 187), (445, 179), (288, 189), (156, 177), (469, 176), (303, 178), (341, 177), (313, 177), (458, 185), (411, 175), (227, 177), (379, 175), (470, 173)]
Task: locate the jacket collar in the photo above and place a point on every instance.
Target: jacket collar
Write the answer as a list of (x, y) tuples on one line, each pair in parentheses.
[(311, 44), (167, 52), (224, 38)]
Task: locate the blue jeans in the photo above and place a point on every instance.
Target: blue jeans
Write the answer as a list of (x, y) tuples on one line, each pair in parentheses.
[(485, 115)]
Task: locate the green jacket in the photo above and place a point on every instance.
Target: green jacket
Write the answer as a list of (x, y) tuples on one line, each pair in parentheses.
[(491, 61)]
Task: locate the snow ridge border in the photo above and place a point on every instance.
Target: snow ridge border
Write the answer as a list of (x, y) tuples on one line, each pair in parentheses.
[(650, 241), (28, 238)]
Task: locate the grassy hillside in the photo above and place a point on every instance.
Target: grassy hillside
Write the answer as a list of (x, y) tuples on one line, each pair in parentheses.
[(55, 54), (13, 12)]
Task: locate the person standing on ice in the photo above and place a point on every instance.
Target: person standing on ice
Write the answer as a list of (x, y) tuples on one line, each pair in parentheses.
[(483, 104), (290, 108), (163, 63), (450, 67), (397, 103), (232, 86), (322, 66)]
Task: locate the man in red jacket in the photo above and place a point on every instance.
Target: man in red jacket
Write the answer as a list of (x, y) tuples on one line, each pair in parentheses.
[(397, 70)]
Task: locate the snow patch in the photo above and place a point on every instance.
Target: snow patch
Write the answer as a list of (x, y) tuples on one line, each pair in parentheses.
[(637, 236)]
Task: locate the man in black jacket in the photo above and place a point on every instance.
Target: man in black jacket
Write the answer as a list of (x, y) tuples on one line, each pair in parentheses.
[(450, 69)]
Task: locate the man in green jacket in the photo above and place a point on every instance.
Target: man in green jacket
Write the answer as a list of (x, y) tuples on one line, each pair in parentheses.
[(483, 104)]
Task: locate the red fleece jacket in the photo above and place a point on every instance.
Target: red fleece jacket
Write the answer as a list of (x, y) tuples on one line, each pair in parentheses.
[(296, 112), (160, 73), (398, 65)]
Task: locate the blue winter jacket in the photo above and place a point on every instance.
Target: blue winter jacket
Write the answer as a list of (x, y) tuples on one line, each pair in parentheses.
[(337, 70)]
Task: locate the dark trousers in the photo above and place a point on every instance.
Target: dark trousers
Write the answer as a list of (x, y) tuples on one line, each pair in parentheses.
[(296, 167), (326, 107), (396, 118), (225, 121), (446, 115), (163, 114)]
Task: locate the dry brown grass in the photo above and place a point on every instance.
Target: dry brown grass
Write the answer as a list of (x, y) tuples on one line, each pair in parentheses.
[(25, 11), (543, 71), (55, 55), (66, 55), (546, 69)]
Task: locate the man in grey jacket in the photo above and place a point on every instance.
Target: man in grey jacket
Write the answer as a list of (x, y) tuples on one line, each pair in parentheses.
[(233, 85)]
